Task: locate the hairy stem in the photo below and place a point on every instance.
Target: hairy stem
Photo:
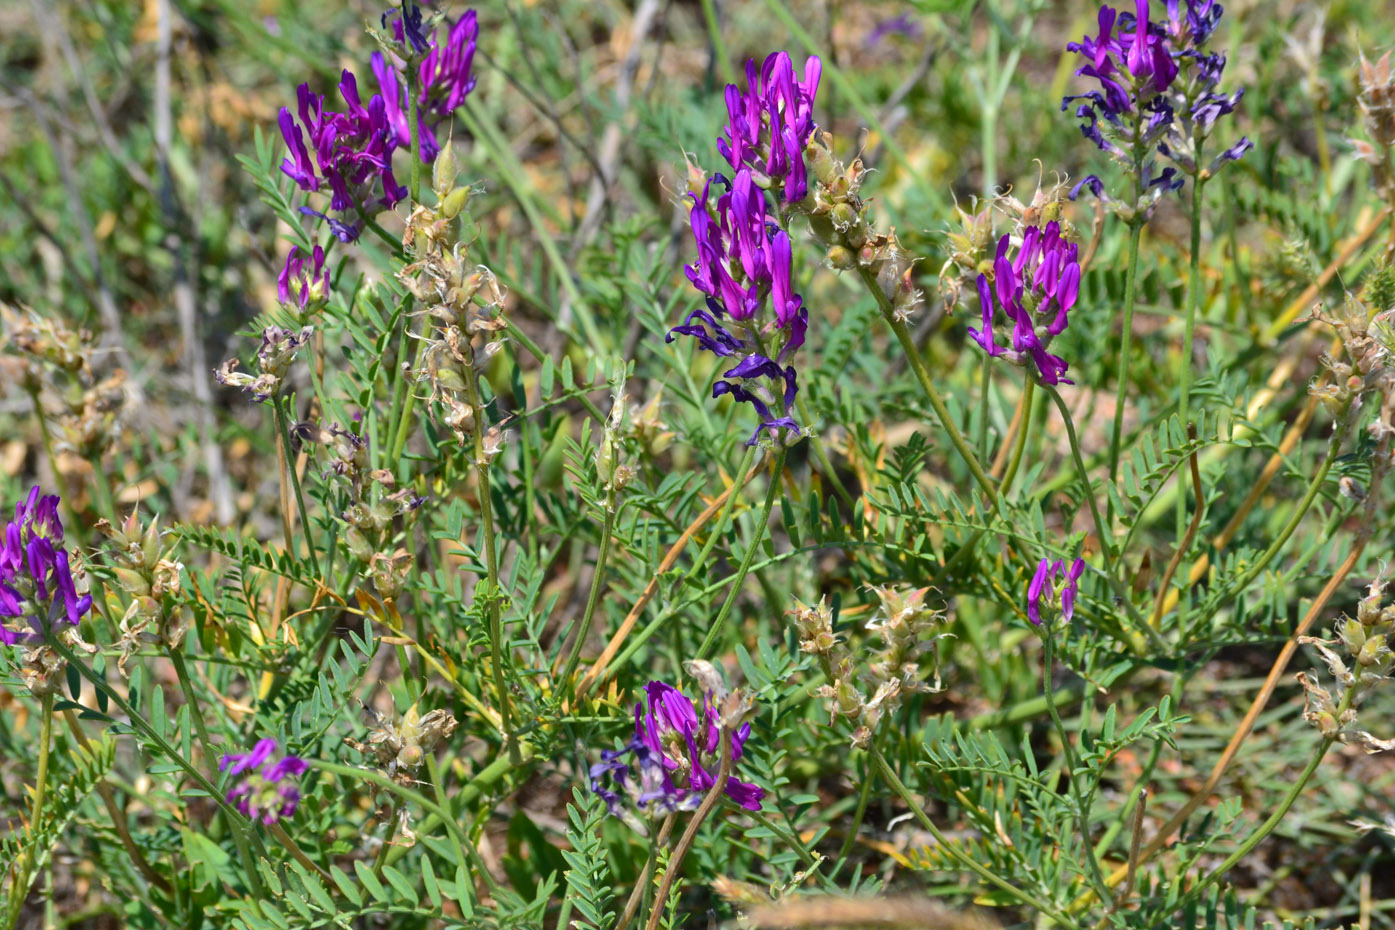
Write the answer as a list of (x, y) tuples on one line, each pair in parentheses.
[(594, 597), (713, 634), (1106, 545), (685, 842), (1130, 289)]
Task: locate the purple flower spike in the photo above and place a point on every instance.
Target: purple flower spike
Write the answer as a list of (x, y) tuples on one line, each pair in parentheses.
[(37, 590), (1036, 290), (1157, 89), (1042, 590), (744, 267), (260, 788), (674, 749), (769, 125), (444, 78)]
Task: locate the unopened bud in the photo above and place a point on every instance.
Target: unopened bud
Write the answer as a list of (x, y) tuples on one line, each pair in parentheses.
[(840, 259), (444, 172), (454, 202)]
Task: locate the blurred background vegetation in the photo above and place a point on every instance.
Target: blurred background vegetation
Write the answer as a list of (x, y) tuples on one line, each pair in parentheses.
[(123, 210)]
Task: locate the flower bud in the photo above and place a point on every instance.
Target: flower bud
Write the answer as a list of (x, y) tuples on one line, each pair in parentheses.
[(444, 172), (840, 258), (455, 202)]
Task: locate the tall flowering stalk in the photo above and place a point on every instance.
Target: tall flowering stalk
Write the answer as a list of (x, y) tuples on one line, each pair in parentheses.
[(350, 151), (1158, 95), (752, 314)]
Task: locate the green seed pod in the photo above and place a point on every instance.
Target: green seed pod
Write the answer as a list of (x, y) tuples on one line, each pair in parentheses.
[(444, 172), (454, 202)]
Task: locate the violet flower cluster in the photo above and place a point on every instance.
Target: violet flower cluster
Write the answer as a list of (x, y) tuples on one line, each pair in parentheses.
[(1157, 92), (674, 751), (1042, 591), (36, 582), (350, 151), (444, 77), (261, 788), (1037, 291), (745, 260), (769, 125)]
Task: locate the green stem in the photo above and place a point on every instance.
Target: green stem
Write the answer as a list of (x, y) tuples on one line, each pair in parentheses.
[(491, 566), (713, 634), (724, 518), (719, 45), (181, 671), (863, 797), (1130, 288), (416, 129), (903, 336), (594, 597), (822, 454), (1193, 302), (40, 779), (1106, 544), (1028, 395), (372, 225), (433, 771), (958, 855), (279, 414)]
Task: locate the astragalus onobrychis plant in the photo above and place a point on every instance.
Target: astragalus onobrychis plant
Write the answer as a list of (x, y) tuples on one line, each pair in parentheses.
[(747, 464)]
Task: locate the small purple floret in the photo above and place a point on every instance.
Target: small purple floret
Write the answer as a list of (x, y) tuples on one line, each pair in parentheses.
[(1042, 591), (261, 788)]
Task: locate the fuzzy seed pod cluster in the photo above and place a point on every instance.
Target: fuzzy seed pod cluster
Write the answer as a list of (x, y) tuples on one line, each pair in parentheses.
[(54, 365), (375, 502), (149, 573), (278, 350), (838, 219), (400, 748), (907, 628), (464, 303), (1359, 658)]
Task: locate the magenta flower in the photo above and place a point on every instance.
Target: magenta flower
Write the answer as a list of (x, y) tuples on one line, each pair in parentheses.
[(675, 751), (303, 282), (769, 124), (352, 151), (444, 78), (1042, 591), (744, 268), (36, 582), (1037, 290), (261, 788)]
